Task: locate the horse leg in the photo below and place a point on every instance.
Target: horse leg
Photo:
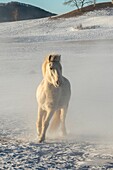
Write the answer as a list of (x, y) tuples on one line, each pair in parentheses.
[(45, 125), (41, 114), (55, 123), (62, 119)]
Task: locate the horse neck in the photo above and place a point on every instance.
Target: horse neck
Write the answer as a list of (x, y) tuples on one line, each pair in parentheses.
[(47, 80)]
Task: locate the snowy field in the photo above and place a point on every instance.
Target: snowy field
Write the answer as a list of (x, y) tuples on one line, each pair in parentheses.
[(87, 60)]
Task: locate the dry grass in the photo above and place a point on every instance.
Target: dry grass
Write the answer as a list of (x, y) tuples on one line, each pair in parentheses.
[(89, 8)]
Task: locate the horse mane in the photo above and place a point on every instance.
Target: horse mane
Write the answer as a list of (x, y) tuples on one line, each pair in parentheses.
[(50, 58)]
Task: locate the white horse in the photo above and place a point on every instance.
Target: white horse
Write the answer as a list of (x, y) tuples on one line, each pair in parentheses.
[(53, 95)]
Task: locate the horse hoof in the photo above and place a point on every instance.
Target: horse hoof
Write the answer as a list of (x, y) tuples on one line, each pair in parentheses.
[(41, 140)]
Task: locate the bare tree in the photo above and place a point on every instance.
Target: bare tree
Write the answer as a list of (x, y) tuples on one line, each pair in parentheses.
[(78, 3)]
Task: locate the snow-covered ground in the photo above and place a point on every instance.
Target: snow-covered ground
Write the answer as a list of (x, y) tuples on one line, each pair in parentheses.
[(96, 25), (87, 59)]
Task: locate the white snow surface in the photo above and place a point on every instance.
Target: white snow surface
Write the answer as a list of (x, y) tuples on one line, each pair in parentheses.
[(87, 60), (96, 25)]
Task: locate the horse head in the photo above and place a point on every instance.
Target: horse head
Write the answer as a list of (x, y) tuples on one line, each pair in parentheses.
[(52, 69)]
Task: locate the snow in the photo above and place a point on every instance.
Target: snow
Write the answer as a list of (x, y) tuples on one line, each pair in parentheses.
[(87, 62), (54, 155), (61, 29)]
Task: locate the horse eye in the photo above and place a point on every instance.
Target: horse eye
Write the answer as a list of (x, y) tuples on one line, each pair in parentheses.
[(51, 68)]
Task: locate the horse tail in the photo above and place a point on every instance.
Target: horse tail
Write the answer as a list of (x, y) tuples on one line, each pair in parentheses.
[(55, 122)]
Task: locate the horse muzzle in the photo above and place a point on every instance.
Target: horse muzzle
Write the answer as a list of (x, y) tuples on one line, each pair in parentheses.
[(58, 83)]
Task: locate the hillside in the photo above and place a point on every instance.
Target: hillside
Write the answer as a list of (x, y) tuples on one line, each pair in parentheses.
[(15, 11), (97, 24), (74, 13)]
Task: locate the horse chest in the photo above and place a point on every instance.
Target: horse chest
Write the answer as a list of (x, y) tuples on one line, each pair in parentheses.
[(52, 97), (52, 92)]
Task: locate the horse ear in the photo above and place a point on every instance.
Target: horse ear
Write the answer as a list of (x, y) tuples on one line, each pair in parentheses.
[(59, 57), (50, 56)]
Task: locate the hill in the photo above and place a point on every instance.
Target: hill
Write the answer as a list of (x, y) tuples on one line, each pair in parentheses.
[(97, 24), (74, 13), (15, 11)]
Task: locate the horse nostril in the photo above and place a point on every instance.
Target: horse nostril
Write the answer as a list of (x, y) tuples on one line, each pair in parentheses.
[(58, 82)]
